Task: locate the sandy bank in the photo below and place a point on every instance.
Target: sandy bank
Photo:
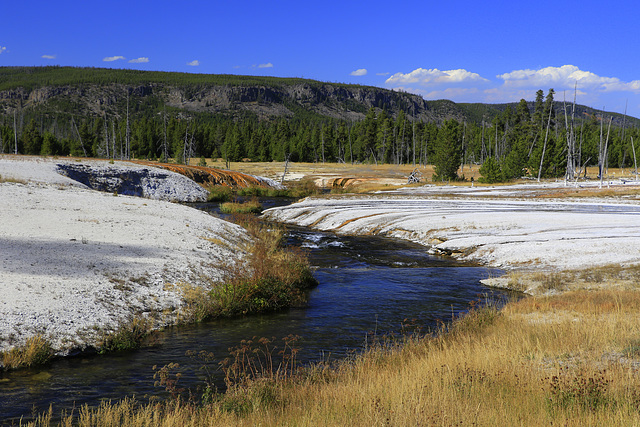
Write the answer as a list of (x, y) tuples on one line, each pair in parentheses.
[(74, 261)]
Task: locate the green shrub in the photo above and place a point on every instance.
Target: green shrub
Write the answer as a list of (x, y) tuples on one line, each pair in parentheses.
[(128, 337), (271, 278), (220, 193), (304, 188), (251, 206), (296, 190)]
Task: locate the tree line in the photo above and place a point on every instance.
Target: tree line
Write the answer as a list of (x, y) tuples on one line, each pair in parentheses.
[(545, 138)]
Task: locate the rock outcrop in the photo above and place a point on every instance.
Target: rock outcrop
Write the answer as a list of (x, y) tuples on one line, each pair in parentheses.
[(141, 181)]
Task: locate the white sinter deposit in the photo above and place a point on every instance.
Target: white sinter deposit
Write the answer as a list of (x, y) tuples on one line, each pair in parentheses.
[(498, 232), (74, 261)]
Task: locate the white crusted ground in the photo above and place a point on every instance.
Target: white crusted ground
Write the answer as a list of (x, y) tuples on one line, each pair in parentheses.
[(74, 260), (493, 230)]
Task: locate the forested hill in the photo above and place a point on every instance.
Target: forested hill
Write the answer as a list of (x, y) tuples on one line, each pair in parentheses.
[(103, 92), (100, 92), (118, 113)]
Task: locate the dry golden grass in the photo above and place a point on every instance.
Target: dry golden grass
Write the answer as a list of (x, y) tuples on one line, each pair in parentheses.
[(4, 179), (36, 351), (568, 359), (252, 206), (598, 277)]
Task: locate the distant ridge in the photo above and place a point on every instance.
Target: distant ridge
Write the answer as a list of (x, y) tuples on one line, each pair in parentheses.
[(103, 91)]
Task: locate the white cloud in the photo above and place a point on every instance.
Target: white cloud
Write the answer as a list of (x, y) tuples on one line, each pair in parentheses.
[(267, 65), (434, 76), (49, 56), (194, 63), (382, 74), (141, 60), (113, 58), (464, 86), (2, 49), (566, 76), (359, 72)]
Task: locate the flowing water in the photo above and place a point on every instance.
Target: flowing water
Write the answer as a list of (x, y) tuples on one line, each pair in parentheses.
[(369, 287)]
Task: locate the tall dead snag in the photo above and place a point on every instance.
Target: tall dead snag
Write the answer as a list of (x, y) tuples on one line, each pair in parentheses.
[(286, 167), (602, 157), (571, 140), (544, 147), (322, 141), (413, 126), (127, 135), (79, 137), (187, 148), (635, 162), (106, 138), (15, 132), (165, 147), (113, 139)]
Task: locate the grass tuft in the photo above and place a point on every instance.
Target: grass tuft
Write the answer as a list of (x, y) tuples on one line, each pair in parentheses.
[(271, 277), (4, 179), (295, 189), (220, 193), (128, 337), (36, 351), (252, 206)]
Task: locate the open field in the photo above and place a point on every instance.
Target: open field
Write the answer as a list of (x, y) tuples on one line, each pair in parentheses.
[(395, 175)]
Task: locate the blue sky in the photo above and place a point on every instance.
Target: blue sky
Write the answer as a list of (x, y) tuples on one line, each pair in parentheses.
[(489, 51)]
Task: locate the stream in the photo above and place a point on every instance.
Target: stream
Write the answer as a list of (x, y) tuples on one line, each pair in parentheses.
[(369, 287)]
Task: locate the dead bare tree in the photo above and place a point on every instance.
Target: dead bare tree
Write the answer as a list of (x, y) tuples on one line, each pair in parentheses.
[(113, 139), (165, 148), (127, 135), (603, 151), (483, 153), (571, 164), (464, 148), (635, 162), (187, 151), (322, 141), (624, 123), (286, 167), (544, 146), (413, 123), (579, 159), (106, 138), (1, 143), (15, 132), (79, 136)]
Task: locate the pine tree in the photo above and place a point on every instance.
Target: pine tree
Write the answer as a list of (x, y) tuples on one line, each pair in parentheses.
[(447, 151)]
